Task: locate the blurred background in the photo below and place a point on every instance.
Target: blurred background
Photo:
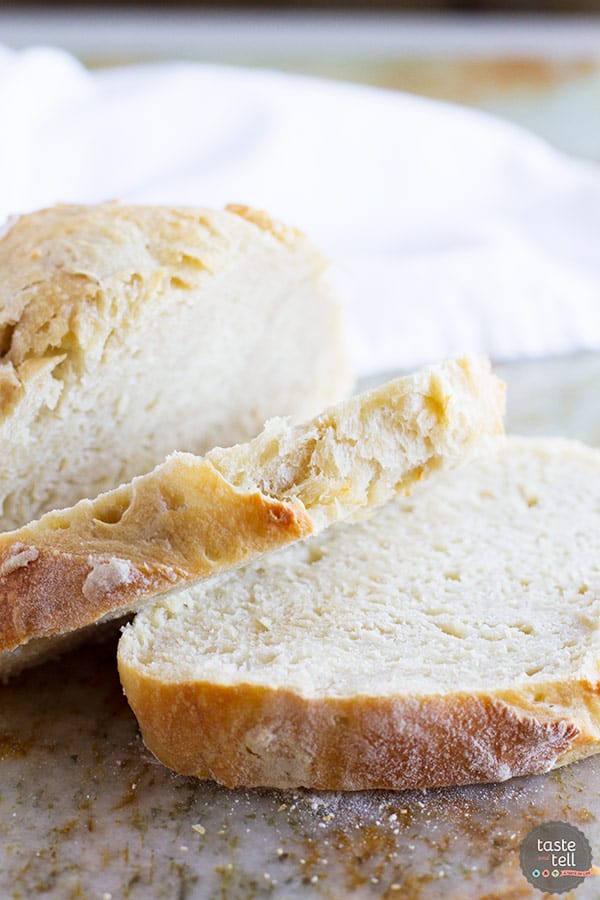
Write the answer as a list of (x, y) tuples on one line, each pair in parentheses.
[(449, 230), (535, 63)]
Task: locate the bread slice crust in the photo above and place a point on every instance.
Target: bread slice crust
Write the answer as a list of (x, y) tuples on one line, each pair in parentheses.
[(254, 736)]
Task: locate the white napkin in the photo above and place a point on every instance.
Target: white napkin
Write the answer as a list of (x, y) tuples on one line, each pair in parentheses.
[(450, 230)]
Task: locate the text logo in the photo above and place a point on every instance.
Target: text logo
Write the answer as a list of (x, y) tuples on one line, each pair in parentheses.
[(556, 857)]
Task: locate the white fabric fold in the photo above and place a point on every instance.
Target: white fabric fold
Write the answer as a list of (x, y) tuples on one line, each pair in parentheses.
[(450, 230)]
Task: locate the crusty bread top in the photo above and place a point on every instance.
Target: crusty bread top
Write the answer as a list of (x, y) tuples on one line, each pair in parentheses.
[(358, 454), (70, 272), (72, 275), (192, 517), (453, 637)]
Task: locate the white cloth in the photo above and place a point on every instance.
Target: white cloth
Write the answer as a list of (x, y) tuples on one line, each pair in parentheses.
[(450, 230)]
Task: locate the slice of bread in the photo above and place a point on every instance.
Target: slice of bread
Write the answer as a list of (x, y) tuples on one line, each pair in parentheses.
[(452, 638), (128, 332), (195, 516)]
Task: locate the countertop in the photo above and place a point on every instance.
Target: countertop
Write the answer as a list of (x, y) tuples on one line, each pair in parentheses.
[(86, 812)]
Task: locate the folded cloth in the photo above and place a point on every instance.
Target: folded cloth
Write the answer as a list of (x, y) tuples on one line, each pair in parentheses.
[(450, 230)]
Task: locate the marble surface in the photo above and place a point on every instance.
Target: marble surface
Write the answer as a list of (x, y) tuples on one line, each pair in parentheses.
[(86, 812)]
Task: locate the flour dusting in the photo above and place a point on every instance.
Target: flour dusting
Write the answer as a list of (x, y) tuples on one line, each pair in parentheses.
[(20, 555), (106, 576)]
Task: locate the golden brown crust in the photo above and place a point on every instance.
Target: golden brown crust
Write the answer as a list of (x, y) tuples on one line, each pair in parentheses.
[(69, 270), (181, 522), (254, 736), (74, 276), (263, 220)]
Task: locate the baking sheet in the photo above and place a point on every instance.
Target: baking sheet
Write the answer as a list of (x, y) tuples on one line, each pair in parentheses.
[(85, 811)]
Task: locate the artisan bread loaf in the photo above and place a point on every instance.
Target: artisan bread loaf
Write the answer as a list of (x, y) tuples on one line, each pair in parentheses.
[(129, 332), (192, 516), (452, 638)]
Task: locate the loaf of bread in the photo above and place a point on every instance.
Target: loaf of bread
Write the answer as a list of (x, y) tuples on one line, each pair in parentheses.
[(452, 638), (192, 517), (129, 332)]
